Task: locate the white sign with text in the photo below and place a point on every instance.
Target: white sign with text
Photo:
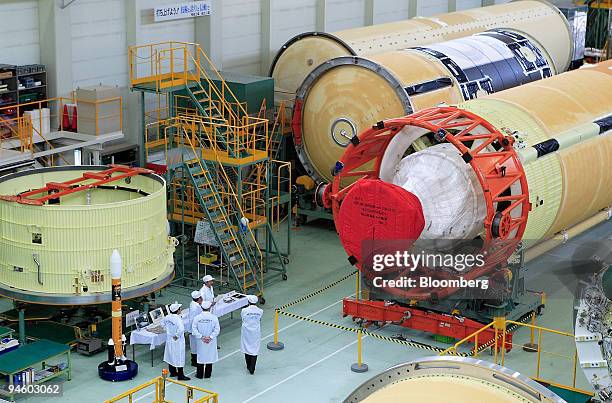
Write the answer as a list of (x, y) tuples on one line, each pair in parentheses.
[(182, 10)]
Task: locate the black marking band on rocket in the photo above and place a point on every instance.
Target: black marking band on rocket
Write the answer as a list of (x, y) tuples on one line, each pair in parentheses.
[(429, 86), (116, 292), (469, 88), (546, 147), (516, 42), (477, 71), (604, 124)]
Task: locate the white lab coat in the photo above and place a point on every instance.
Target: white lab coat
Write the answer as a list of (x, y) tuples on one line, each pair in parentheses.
[(206, 324), (194, 310), (208, 294), (174, 352), (250, 336)]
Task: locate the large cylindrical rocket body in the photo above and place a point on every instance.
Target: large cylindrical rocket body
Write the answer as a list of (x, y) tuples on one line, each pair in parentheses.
[(346, 95), (568, 186), (535, 160), (303, 53)]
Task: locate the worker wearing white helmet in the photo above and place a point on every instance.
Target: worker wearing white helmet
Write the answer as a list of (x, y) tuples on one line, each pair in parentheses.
[(174, 352), (207, 291), (195, 309), (206, 328), (250, 336)]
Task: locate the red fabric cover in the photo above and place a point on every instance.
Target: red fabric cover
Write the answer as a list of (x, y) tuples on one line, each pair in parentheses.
[(377, 210)]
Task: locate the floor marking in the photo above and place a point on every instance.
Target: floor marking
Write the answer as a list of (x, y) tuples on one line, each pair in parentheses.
[(302, 370), (263, 338)]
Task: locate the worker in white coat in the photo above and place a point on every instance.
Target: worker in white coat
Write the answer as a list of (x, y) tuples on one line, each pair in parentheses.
[(174, 353), (250, 336), (195, 309), (208, 294), (207, 291), (206, 328)]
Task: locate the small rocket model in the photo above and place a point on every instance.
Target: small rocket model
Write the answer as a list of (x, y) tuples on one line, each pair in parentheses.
[(118, 367), (118, 339)]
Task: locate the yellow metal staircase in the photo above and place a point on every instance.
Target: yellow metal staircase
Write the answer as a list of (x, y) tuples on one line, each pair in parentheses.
[(208, 139), (237, 244)]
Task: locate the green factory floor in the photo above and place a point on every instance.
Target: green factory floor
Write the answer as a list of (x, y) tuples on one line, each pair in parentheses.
[(314, 366)]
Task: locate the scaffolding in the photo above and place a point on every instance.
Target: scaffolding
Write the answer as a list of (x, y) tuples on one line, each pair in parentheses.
[(225, 186), (42, 132)]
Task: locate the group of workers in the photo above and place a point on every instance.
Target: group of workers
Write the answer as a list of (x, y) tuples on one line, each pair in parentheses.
[(204, 329)]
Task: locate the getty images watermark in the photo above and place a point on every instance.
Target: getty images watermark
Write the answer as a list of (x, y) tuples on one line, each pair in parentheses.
[(441, 268), (413, 260)]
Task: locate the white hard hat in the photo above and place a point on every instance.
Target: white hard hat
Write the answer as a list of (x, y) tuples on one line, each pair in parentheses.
[(207, 278), (252, 299), (206, 304), (196, 294), (175, 307), (244, 221)]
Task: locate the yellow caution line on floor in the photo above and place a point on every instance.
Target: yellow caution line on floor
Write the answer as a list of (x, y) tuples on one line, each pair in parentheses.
[(312, 294), (364, 332)]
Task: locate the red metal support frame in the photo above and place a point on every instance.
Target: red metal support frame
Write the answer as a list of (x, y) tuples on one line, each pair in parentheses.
[(490, 154), (442, 324), (55, 190)]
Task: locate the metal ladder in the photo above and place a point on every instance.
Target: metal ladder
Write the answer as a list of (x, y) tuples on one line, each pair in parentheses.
[(239, 248)]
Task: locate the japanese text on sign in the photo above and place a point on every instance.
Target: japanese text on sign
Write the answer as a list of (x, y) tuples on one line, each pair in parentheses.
[(182, 10)]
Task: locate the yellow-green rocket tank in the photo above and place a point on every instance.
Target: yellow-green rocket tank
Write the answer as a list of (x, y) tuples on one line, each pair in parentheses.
[(569, 186), (299, 56), (59, 253)]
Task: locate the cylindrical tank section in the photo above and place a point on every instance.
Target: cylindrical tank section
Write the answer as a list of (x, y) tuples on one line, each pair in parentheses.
[(302, 54), (58, 252), (526, 164), (346, 95), (572, 184), (456, 379)]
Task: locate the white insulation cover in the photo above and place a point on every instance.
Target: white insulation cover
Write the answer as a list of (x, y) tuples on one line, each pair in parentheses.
[(450, 194)]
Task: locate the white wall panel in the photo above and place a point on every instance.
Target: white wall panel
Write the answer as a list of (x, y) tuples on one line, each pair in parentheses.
[(151, 32), (242, 36), (427, 8), (290, 18), (467, 4), (390, 10), (19, 42), (99, 50), (345, 14)]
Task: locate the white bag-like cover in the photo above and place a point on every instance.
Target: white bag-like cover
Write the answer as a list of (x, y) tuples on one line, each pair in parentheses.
[(449, 191)]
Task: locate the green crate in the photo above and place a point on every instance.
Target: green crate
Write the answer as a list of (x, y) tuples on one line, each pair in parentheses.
[(25, 98), (247, 88), (444, 339)]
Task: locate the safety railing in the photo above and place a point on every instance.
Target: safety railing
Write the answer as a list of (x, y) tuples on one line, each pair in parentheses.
[(169, 64), (224, 183), (537, 336), (53, 114), (156, 139), (17, 132), (162, 64), (234, 206), (158, 387), (247, 139), (215, 108), (281, 185), (183, 202)]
